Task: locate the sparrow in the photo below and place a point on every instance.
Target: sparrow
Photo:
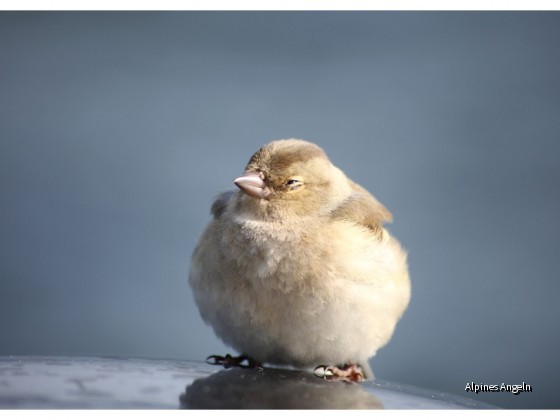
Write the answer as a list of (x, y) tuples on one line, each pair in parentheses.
[(296, 267)]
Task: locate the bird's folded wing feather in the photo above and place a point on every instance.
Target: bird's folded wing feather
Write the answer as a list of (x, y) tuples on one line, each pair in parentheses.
[(363, 209), (219, 205)]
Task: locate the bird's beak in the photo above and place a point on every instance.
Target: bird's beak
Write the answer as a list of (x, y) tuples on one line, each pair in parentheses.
[(252, 184)]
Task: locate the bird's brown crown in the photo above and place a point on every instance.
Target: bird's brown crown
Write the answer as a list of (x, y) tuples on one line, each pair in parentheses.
[(279, 155)]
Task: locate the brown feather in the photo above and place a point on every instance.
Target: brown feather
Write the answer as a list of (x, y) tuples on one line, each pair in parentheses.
[(363, 209), (219, 205)]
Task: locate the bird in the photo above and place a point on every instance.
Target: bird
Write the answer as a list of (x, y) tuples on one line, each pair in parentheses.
[(296, 267)]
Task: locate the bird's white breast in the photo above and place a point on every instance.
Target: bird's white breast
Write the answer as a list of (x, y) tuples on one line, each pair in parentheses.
[(271, 295)]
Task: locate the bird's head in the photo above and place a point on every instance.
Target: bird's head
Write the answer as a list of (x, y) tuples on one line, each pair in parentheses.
[(291, 176)]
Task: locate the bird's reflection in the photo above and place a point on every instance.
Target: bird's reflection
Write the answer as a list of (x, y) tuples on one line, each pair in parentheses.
[(239, 388)]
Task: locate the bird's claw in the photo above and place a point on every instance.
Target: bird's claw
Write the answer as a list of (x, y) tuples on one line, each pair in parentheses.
[(215, 359), (323, 371), (347, 373), (228, 361)]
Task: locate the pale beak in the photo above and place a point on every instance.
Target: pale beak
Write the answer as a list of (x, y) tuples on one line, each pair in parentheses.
[(252, 184)]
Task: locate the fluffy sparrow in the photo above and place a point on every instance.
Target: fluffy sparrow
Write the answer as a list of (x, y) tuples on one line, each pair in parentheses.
[(296, 267)]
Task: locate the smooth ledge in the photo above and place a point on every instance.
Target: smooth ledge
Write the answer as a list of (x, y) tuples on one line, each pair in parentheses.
[(45, 382)]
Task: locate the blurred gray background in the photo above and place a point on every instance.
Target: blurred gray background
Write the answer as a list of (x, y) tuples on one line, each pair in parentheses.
[(117, 130)]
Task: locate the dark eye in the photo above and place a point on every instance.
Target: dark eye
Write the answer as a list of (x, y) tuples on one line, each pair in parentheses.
[(294, 184)]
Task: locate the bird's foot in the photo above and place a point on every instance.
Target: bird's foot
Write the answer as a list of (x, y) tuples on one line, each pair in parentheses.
[(228, 361), (347, 373)]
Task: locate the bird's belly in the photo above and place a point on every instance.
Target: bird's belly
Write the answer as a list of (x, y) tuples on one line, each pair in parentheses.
[(292, 305), (333, 322)]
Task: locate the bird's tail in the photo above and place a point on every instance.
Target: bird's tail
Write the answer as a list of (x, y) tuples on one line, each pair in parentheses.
[(368, 372)]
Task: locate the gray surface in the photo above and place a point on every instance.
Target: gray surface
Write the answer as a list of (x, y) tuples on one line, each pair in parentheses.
[(118, 129), (98, 383)]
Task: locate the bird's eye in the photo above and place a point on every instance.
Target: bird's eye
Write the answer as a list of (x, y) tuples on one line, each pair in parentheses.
[(293, 184)]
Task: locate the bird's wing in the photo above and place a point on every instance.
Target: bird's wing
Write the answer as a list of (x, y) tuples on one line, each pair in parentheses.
[(220, 203), (363, 209)]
